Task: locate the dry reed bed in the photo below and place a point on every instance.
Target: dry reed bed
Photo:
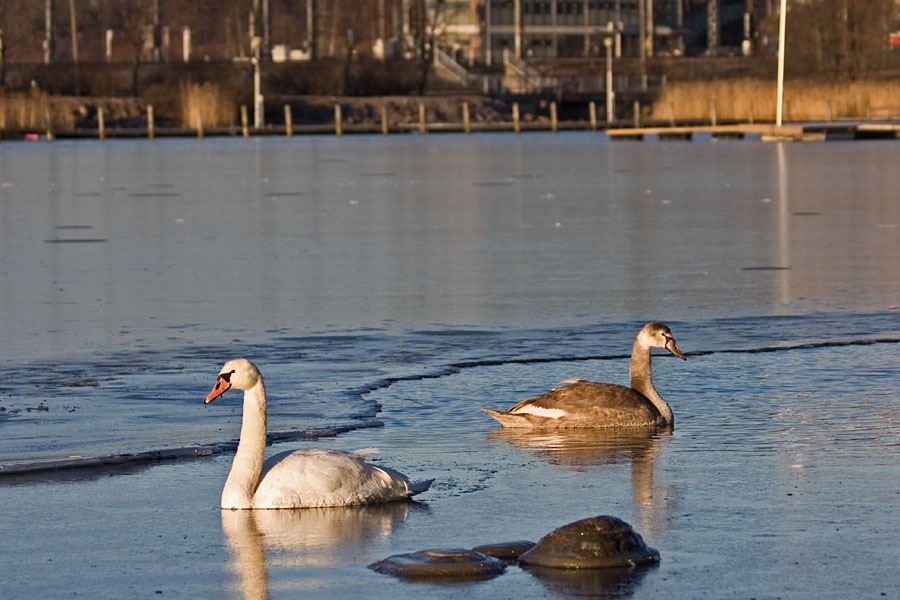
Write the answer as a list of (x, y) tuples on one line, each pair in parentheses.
[(36, 111), (32, 111), (205, 104), (755, 100)]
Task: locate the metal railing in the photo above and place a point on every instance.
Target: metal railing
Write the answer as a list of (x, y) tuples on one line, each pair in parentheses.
[(522, 78), (456, 71)]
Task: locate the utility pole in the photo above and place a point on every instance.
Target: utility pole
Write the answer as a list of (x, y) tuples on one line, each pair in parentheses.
[(73, 24), (488, 34), (311, 29), (48, 31), (517, 28), (260, 13), (642, 35), (157, 33), (73, 28), (779, 102), (610, 94), (267, 31), (747, 44), (712, 27), (679, 22)]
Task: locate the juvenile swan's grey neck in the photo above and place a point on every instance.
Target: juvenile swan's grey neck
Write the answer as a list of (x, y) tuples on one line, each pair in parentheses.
[(642, 381), (248, 460)]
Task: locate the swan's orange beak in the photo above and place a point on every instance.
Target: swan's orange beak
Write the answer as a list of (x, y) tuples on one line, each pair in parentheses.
[(220, 388), (672, 347)]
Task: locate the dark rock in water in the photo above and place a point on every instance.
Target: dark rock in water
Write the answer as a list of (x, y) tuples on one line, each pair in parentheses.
[(452, 564), (508, 551), (598, 542)]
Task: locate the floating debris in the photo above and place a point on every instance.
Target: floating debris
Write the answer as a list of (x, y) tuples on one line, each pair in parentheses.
[(594, 543)]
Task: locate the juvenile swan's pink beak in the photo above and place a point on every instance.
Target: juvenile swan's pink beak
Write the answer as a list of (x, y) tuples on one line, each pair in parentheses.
[(220, 388)]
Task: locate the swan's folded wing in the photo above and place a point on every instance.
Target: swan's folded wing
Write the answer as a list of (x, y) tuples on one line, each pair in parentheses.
[(589, 404), (319, 478)]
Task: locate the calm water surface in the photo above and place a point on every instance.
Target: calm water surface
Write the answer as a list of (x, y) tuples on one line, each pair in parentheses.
[(407, 281)]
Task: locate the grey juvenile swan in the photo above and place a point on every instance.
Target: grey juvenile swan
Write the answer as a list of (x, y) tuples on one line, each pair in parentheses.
[(583, 403)]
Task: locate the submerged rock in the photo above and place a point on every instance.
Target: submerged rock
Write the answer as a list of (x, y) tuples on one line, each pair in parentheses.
[(598, 542), (453, 564)]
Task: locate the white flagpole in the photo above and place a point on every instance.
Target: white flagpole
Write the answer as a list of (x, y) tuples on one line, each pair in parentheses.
[(781, 27)]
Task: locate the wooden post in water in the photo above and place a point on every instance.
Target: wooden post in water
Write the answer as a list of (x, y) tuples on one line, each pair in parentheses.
[(515, 115), (467, 125), (151, 124), (592, 115), (245, 127), (48, 122), (199, 118), (554, 126), (288, 121), (421, 119), (101, 132), (637, 114), (385, 125), (338, 125)]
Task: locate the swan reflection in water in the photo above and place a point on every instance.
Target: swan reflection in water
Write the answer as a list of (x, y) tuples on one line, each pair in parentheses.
[(309, 537), (588, 448), (584, 450)]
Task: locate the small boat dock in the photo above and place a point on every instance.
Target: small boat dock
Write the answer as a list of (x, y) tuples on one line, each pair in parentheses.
[(862, 130)]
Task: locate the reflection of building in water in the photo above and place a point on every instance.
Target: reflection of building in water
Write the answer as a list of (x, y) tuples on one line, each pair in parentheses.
[(586, 449), (259, 539)]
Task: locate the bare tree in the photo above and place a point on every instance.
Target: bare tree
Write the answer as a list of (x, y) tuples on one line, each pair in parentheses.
[(842, 38), (428, 25), (133, 22), (21, 30)]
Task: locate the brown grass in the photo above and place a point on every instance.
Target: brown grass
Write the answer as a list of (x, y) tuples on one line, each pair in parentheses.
[(31, 112), (209, 102), (743, 99)]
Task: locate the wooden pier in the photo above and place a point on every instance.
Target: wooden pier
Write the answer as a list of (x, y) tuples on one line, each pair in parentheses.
[(767, 132)]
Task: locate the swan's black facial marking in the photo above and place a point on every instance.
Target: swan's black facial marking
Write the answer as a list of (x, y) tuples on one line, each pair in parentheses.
[(672, 346), (223, 384)]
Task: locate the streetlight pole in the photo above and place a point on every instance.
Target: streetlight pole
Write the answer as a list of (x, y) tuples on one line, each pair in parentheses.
[(257, 80), (610, 95)]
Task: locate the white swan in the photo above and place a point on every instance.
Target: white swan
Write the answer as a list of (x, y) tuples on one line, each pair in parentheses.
[(298, 478), (588, 404)]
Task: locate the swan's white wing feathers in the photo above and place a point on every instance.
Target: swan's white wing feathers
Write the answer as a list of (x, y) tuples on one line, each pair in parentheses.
[(317, 478)]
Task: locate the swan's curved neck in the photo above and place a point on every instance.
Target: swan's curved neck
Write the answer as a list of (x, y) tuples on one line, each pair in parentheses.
[(247, 466), (642, 381)]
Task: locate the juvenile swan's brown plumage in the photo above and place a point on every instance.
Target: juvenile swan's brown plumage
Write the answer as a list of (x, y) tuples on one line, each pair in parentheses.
[(589, 404)]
